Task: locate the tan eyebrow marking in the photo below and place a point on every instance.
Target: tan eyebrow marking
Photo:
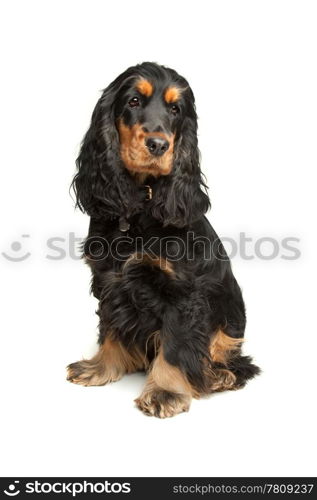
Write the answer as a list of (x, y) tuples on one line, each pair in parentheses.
[(144, 87), (172, 94)]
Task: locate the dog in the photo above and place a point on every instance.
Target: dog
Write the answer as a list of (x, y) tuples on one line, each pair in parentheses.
[(169, 304)]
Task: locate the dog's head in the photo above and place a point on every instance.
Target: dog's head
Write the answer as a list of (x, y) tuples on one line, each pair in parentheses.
[(149, 114), (143, 128)]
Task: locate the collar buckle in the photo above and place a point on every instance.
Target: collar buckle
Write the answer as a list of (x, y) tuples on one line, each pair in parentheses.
[(149, 192)]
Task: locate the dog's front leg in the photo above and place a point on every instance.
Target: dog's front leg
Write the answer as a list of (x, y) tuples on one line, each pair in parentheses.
[(167, 391)]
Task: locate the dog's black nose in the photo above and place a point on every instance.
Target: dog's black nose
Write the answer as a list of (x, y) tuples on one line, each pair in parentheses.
[(156, 145)]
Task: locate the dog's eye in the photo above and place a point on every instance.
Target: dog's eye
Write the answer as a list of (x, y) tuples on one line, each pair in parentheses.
[(174, 109), (134, 102)]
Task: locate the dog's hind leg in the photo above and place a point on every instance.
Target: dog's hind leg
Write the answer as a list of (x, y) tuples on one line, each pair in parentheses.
[(229, 370)]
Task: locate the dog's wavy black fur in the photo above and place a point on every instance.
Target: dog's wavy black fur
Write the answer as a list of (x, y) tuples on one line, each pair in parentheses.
[(143, 305)]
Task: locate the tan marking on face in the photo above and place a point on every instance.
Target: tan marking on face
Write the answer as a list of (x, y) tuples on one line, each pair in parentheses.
[(223, 346), (172, 94), (110, 363), (135, 155), (144, 87), (159, 262)]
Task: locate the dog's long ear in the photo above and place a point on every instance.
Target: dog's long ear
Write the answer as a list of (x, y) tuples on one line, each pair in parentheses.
[(101, 184), (94, 192), (182, 197)]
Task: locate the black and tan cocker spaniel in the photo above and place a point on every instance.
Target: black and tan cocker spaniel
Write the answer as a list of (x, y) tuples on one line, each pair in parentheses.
[(168, 301)]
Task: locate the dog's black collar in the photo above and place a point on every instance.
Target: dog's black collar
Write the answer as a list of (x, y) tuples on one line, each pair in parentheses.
[(124, 224)]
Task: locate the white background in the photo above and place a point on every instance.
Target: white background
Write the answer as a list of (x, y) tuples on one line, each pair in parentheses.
[(252, 66)]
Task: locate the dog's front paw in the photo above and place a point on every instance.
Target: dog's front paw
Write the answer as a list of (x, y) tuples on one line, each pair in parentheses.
[(162, 404)]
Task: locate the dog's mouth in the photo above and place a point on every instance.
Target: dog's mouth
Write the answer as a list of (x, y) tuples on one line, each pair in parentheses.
[(143, 159), (142, 162), (143, 152)]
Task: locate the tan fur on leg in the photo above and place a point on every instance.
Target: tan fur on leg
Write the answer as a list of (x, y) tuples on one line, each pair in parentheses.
[(222, 346), (223, 380), (167, 391), (110, 363)]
